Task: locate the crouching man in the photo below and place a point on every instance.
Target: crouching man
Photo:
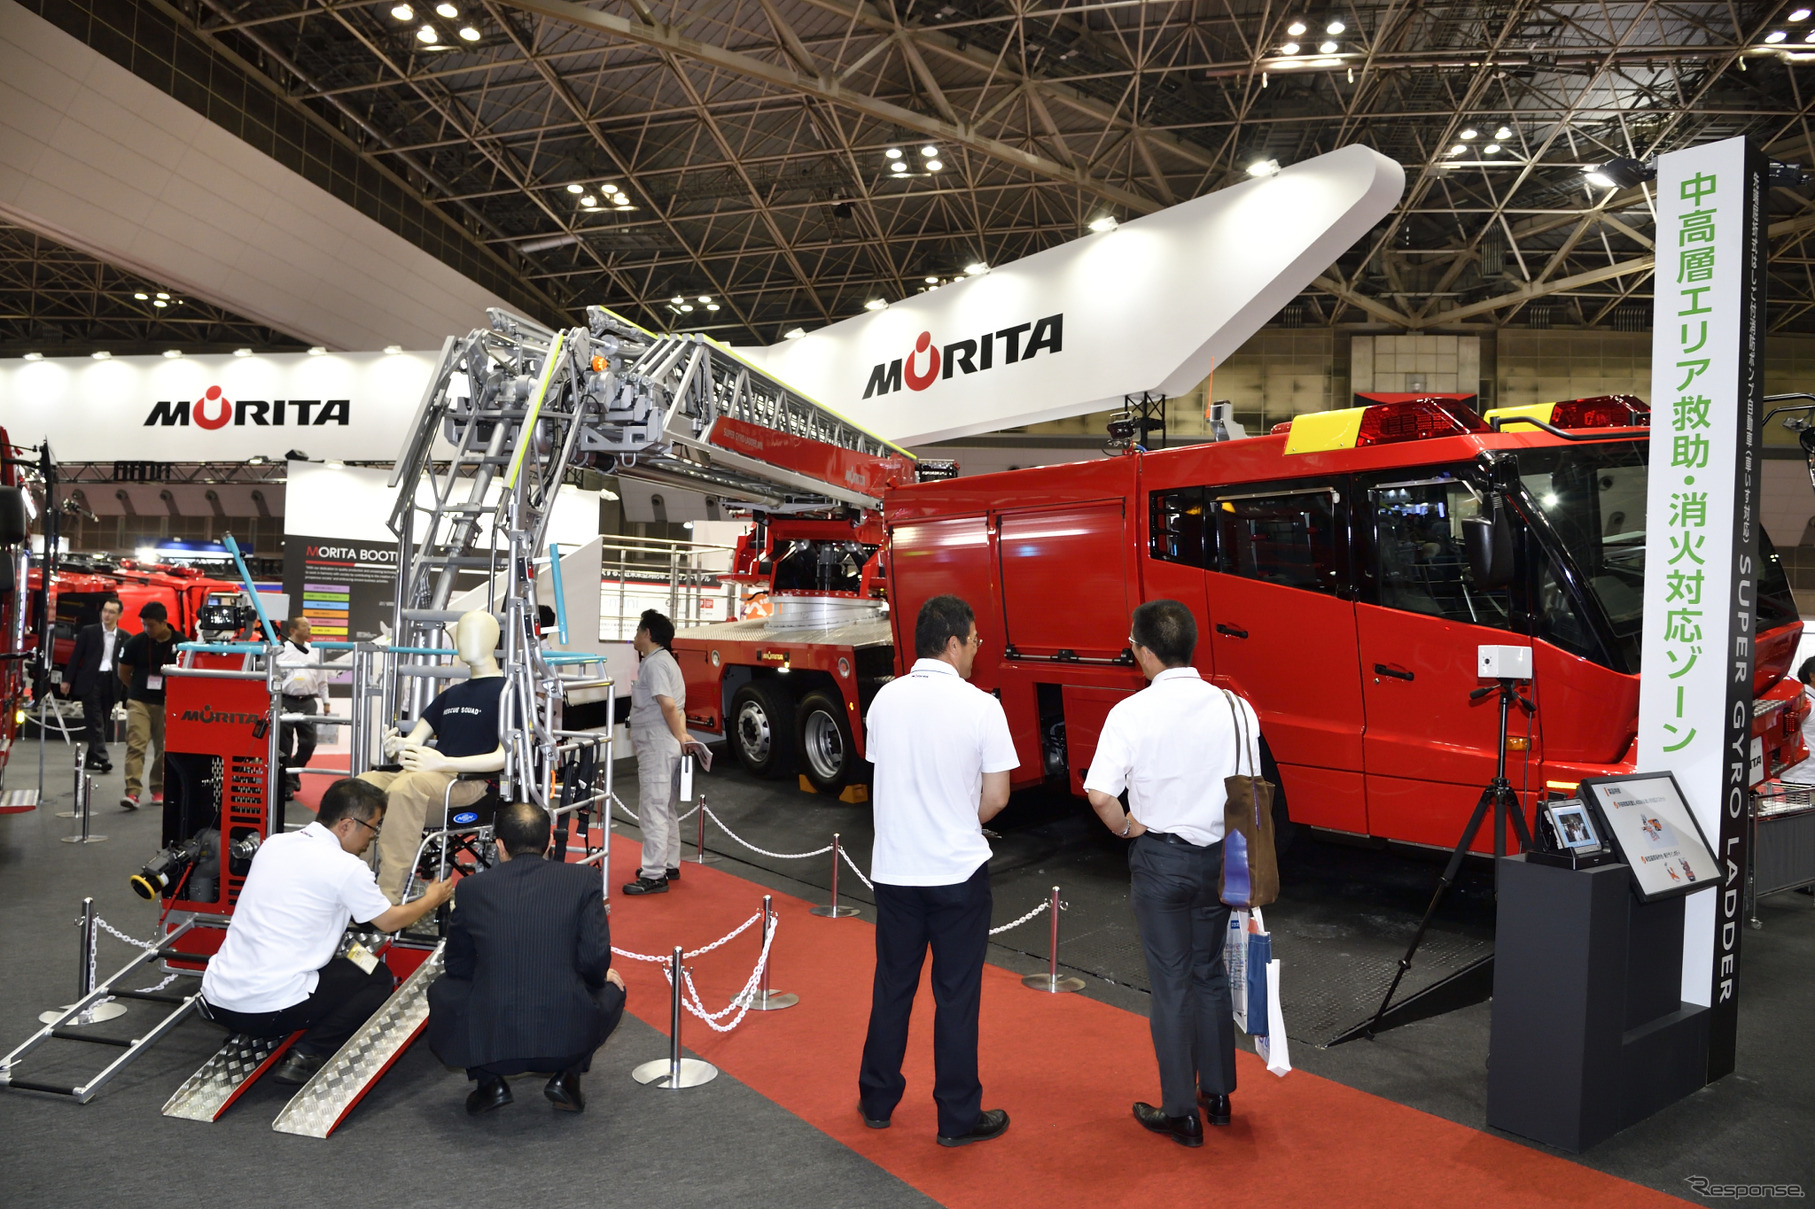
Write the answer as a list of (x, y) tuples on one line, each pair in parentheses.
[(276, 972), (529, 984)]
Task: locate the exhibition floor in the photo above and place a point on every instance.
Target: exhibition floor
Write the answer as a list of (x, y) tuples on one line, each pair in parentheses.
[(1392, 1121)]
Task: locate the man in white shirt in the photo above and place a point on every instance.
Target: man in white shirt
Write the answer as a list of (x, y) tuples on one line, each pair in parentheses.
[(305, 688), (942, 753), (1170, 746), (658, 735), (276, 972)]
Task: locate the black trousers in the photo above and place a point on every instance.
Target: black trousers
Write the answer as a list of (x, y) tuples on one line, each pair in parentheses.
[(97, 704), (345, 997), (1182, 921), (954, 922), (611, 1006), (296, 740)]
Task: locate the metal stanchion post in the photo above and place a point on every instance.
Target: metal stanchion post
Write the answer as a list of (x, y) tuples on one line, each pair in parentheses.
[(675, 1072), (763, 999), (700, 841), (85, 805), (85, 976), (75, 801), (832, 910), (1050, 981)]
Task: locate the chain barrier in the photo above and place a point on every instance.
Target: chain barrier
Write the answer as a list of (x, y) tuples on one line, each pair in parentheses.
[(693, 1002), (633, 814), (1017, 923), (727, 938), (780, 856), (846, 854), (131, 940)]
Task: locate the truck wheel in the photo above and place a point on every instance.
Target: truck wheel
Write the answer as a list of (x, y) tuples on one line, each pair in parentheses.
[(761, 717), (826, 753)]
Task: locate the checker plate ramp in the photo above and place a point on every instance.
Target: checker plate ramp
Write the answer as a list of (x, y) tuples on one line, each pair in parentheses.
[(324, 1101), (18, 801), (236, 1066)]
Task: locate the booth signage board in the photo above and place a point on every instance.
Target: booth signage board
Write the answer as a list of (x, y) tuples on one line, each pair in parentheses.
[(1658, 837), (1701, 542), (347, 588), (215, 408), (1154, 305)]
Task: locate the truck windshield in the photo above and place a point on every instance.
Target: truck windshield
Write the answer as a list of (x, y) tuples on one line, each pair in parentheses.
[(1593, 496)]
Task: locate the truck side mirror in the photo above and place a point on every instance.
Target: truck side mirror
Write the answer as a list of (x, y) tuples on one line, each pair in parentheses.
[(1489, 546), (15, 526)]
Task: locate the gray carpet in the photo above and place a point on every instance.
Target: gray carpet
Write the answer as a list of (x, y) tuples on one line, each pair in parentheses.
[(409, 1143)]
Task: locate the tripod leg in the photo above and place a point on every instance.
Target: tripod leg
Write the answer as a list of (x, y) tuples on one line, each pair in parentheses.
[(1449, 876)]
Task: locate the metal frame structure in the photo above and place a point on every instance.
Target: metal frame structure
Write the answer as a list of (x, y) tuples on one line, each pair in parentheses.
[(749, 139)]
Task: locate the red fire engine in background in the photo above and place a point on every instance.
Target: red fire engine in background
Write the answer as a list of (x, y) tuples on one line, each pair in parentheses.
[(17, 640), (1325, 566)]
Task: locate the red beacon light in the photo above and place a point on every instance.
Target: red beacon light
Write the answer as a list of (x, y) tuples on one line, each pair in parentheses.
[(1602, 411), (1415, 420)]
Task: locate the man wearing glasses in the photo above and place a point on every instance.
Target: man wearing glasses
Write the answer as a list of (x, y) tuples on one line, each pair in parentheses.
[(943, 754), (277, 971)]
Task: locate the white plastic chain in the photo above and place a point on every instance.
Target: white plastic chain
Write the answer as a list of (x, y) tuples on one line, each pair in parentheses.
[(846, 854), (633, 814), (780, 856), (131, 940), (1044, 903), (739, 1002), (702, 950)]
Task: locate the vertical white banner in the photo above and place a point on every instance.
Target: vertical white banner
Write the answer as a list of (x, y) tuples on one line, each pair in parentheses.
[(1701, 547)]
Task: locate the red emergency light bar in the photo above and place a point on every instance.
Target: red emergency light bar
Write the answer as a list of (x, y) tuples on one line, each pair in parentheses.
[(1602, 411), (1379, 424)]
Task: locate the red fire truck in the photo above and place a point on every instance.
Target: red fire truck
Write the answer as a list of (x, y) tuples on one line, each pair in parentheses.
[(1325, 567), (17, 641)]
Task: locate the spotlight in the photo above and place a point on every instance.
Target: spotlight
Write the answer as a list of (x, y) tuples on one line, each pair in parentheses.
[(141, 295), (1503, 133), (427, 34), (893, 153), (404, 12), (1296, 29), (468, 34), (705, 298), (589, 200), (1470, 133), (1458, 149), (242, 352), (1621, 173), (317, 350), (976, 268), (608, 188), (1775, 36), (447, 10), (100, 354), (712, 306), (686, 307), (1327, 48), (932, 281), (928, 152), (1105, 222), (898, 166), (159, 302), (1491, 149), (1290, 48), (1264, 168), (794, 333), (34, 356), (1801, 14), (163, 295), (677, 300), (874, 304), (171, 354), (391, 350), (257, 459), (933, 165), (1334, 27), (576, 188)]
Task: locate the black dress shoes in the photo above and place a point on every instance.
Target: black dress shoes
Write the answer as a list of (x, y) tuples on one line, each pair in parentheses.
[(991, 1123), (1186, 1130), (299, 1068), (492, 1092), (674, 875), (1215, 1108), (647, 885), (872, 1122), (563, 1091)]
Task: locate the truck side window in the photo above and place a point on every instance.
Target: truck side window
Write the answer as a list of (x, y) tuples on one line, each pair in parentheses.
[(1558, 619), (1287, 539), (1175, 531), (1421, 566)]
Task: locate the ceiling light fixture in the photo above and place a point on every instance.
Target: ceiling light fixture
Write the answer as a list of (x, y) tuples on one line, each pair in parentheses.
[(686, 307), (242, 352), (874, 304), (163, 295), (1491, 149), (1290, 48), (794, 333), (404, 12), (1776, 36), (391, 350), (1621, 173), (447, 10), (427, 34), (1470, 133), (141, 295), (159, 302), (1102, 223), (712, 306), (171, 354), (934, 165), (976, 268), (100, 354), (1458, 149), (1504, 133), (705, 298), (469, 34), (1264, 168), (893, 153), (317, 350), (898, 166), (609, 188), (1296, 29), (1801, 14), (928, 152), (1334, 27), (1327, 48), (576, 188), (589, 200), (34, 356), (932, 281)]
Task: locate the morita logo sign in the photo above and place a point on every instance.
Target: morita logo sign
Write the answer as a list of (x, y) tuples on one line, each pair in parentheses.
[(1005, 346), (214, 410)]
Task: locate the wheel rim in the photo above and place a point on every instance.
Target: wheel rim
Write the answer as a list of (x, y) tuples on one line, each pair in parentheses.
[(753, 733), (824, 745)]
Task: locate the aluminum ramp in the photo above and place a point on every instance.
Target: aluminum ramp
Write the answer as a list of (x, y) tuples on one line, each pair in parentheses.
[(229, 1074), (324, 1101)]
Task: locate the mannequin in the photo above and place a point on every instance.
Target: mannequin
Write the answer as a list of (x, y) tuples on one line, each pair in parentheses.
[(463, 719)]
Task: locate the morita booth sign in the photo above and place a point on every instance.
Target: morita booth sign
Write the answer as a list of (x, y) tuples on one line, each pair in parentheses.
[(1701, 539), (215, 408)]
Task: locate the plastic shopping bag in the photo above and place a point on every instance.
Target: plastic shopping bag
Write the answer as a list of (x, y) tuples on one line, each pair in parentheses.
[(1246, 951), (1235, 960), (1272, 1046)]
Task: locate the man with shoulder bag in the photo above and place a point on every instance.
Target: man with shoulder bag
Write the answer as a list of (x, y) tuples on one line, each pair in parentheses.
[(1178, 747)]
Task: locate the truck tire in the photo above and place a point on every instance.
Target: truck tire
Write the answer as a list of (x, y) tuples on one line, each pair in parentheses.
[(827, 755), (761, 728)]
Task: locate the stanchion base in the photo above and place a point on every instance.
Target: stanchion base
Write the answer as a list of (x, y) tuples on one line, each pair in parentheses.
[(710, 858), (656, 1074), (101, 1011), (770, 1001), (1052, 984), (833, 911), (83, 839), (68, 814)]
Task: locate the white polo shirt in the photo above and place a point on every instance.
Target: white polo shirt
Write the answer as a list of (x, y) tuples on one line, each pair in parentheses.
[(1170, 746), (932, 736), (302, 889)]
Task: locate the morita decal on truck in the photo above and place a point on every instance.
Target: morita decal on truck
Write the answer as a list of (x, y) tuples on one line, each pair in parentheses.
[(1016, 343)]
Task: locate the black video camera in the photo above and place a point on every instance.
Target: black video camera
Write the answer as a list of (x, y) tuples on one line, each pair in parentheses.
[(201, 851)]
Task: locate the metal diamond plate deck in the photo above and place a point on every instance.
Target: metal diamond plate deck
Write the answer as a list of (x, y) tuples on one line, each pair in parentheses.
[(327, 1098), (205, 1095)]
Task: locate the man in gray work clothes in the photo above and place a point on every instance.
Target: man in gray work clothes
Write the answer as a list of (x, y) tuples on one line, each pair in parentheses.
[(658, 735)]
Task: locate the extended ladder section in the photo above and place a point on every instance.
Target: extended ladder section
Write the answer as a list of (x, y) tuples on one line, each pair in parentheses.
[(342, 1082), (512, 410)]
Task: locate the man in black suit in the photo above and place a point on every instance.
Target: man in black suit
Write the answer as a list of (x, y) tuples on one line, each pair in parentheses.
[(529, 984), (89, 677)]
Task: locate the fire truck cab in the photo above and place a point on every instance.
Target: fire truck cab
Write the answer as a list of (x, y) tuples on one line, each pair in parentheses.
[(1325, 566)]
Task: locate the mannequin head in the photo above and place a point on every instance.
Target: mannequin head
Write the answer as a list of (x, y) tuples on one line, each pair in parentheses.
[(476, 638)]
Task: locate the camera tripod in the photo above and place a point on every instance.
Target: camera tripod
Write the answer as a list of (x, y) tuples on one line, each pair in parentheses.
[(1498, 794)]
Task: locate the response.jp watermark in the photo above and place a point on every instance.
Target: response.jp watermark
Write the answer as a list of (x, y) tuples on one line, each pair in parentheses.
[(1701, 1185)]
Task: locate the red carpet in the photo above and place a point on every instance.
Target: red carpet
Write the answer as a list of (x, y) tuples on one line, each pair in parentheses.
[(1066, 1068)]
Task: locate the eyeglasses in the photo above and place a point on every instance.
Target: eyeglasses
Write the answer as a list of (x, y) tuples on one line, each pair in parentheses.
[(1131, 642), (368, 827)]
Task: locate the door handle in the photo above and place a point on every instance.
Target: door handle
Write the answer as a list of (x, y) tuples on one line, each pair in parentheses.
[(1230, 630), (1381, 669)]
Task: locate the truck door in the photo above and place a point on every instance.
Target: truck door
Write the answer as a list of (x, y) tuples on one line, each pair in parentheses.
[(1429, 750), (1282, 634)]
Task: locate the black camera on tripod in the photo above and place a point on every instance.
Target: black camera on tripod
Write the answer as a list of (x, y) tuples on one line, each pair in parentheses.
[(224, 619), (199, 856)]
